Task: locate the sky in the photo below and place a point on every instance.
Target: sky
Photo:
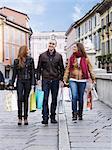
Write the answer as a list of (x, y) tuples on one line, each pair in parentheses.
[(48, 15)]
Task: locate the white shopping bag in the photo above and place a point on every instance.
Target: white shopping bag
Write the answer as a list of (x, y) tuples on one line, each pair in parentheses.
[(60, 101), (94, 94), (11, 101), (67, 94)]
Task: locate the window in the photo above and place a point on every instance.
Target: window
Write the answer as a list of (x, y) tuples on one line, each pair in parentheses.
[(85, 27), (7, 52), (111, 17), (6, 34), (102, 22), (22, 38), (103, 48), (95, 20), (111, 46), (107, 47), (13, 53), (89, 25), (107, 19), (98, 41)]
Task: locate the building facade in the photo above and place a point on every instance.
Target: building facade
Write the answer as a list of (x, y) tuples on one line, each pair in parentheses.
[(95, 31), (39, 43), (14, 32), (105, 55), (85, 30)]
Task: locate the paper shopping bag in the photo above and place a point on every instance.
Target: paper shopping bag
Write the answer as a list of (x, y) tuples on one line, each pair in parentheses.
[(11, 101), (39, 98), (32, 102)]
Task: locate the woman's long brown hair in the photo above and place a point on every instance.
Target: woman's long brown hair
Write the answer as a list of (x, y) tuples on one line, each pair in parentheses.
[(81, 49), (23, 51)]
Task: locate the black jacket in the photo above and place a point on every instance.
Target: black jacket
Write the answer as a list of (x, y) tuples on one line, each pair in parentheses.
[(50, 66), (25, 73)]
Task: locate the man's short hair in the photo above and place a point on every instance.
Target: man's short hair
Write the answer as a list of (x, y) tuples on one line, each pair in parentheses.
[(53, 41)]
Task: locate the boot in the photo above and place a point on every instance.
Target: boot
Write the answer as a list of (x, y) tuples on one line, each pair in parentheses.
[(25, 122), (80, 115), (19, 122), (74, 116), (45, 120)]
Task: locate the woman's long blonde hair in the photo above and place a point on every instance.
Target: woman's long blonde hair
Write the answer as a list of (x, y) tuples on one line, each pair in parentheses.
[(23, 51)]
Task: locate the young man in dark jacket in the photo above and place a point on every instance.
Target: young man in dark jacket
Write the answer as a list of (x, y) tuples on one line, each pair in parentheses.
[(50, 66)]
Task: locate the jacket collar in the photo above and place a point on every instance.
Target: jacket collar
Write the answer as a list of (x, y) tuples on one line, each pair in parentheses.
[(48, 53)]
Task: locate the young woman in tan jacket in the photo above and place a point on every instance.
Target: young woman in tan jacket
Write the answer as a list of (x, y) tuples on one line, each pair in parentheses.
[(77, 72)]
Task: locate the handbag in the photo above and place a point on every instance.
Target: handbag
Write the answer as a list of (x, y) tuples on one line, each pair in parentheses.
[(39, 98), (32, 101), (11, 101)]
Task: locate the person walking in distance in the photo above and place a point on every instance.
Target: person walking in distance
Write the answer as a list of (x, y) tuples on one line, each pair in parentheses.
[(23, 70), (78, 71), (50, 66)]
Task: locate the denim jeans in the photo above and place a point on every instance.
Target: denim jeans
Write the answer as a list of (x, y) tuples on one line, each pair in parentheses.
[(77, 92), (48, 85)]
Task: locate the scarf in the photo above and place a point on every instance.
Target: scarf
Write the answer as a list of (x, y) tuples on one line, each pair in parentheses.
[(83, 63)]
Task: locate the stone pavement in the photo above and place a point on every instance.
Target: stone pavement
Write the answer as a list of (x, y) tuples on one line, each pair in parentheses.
[(94, 132), (35, 136)]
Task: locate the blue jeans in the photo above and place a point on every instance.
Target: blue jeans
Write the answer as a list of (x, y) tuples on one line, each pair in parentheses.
[(77, 92), (48, 85)]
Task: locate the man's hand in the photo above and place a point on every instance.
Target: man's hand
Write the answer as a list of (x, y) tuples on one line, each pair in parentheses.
[(61, 84), (32, 87), (38, 82)]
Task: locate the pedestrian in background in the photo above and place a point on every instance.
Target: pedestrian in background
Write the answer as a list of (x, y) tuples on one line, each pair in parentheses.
[(2, 81), (50, 66), (23, 70), (78, 71)]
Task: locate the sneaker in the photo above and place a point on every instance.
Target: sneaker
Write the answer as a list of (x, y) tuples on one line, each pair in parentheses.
[(54, 121)]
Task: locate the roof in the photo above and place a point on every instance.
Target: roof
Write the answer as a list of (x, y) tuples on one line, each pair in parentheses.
[(14, 10), (106, 4), (15, 23)]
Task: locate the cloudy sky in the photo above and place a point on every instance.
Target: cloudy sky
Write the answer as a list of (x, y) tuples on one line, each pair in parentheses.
[(48, 15)]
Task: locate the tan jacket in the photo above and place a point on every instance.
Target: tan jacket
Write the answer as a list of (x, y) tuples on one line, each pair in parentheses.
[(76, 73)]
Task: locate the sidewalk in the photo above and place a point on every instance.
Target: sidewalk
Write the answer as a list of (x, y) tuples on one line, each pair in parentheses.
[(94, 132), (35, 136)]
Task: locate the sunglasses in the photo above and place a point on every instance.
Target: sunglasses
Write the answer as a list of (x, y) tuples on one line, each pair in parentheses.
[(52, 43)]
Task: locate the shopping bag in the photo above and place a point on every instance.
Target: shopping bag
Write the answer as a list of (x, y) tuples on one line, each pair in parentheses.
[(94, 94), (89, 100), (32, 101), (60, 101), (39, 98), (67, 94), (11, 101)]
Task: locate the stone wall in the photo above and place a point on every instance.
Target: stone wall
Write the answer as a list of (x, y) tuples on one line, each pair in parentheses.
[(104, 87)]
